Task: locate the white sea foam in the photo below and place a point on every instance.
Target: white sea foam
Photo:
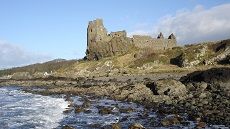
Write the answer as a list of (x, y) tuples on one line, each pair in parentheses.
[(24, 110)]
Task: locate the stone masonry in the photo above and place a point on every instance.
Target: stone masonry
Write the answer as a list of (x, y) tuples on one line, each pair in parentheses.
[(100, 44)]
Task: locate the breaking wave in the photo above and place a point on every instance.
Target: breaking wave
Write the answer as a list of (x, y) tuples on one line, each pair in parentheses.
[(21, 110)]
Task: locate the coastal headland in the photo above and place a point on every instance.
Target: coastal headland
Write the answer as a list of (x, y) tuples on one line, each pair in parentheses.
[(154, 72)]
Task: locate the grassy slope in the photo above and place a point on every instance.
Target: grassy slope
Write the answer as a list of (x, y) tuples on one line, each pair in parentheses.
[(135, 62), (50, 66)]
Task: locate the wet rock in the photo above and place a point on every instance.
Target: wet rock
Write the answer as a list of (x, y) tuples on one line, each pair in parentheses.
[(79, 109), (67, 111), (67, 127), (105, 111), (136, 126), (170, 121), (168, 87), (86, 104), (185, 123), (126, 110), (87, 111), (70, 104), (201, 125), (125, 118), (113, 126), (116, 126), (68, 98), (136, 92), (82, 108), (95, 126)]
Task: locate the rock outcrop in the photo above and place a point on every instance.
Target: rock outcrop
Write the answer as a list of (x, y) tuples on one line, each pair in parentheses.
[(193, 56), (205, 54), (172, 88), (223, 53)]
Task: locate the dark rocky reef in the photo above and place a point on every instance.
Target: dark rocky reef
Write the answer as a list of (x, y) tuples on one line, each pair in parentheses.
[(208, 95), (209, 76)]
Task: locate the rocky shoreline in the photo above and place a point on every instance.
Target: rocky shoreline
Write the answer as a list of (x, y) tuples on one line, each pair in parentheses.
[(203, 95)]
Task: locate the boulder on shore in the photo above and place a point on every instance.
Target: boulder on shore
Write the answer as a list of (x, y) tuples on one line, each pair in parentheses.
[(168, 87)]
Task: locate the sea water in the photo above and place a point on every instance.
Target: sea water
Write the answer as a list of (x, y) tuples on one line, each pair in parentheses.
[(21, 110)]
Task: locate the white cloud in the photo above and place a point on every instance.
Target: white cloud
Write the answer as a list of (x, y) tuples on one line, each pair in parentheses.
[(139, 32), (196, 25), (12, 56)]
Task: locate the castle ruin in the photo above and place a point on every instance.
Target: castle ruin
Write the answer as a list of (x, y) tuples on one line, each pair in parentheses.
[(101, 44)]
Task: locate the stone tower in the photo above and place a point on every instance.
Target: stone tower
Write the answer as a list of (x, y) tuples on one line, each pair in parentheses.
[(96, 32), (101, 44)]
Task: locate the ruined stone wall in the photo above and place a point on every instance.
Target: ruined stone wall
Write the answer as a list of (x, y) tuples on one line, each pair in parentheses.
[(153, 43), (101, 44)]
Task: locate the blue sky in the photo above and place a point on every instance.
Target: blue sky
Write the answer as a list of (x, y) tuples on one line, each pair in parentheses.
[(39, 30)]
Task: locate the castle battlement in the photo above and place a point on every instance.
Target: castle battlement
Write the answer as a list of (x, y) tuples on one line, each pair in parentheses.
[(101, 44)]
